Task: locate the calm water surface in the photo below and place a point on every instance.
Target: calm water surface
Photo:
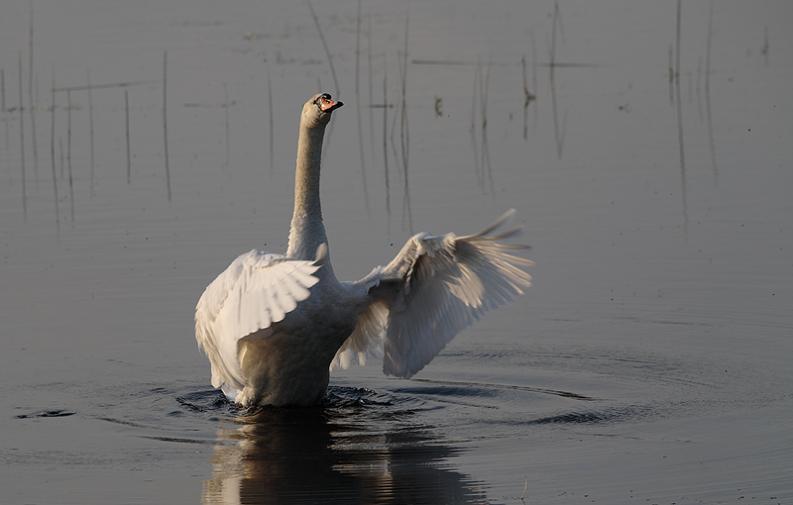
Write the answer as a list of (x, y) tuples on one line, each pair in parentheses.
[(649, 364)]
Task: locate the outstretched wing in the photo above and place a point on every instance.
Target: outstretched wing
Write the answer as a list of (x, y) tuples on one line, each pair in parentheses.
[(435, 287), (254, 292)]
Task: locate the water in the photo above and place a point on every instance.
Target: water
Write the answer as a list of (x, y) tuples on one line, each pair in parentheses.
[(649, 364)]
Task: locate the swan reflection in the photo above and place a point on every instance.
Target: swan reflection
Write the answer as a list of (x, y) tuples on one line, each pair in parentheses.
[(317, 455)]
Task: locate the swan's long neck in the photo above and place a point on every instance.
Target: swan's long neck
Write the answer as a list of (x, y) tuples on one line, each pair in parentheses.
[(307, 231)]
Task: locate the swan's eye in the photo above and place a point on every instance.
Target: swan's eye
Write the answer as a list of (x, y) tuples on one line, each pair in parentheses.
[(325, 97)]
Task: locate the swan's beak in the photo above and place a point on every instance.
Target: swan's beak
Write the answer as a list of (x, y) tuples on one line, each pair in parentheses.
[(330, 105)]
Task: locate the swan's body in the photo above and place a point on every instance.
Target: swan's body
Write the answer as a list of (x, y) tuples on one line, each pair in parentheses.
[(274, 325)]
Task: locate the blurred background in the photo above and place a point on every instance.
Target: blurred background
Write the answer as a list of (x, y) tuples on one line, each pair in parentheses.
[(645, 146)]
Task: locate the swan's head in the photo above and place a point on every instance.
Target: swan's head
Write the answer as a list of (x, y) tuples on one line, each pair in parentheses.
[(318, 108)]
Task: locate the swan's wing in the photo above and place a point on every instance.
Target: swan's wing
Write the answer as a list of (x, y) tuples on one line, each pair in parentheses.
[(254, 292), (435, 287), (366, 339)]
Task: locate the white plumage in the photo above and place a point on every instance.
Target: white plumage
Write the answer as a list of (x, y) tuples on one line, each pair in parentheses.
[(256, 291), (273, 326), (432, 289)]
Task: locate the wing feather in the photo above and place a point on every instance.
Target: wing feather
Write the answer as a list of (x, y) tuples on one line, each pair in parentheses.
[(434, 288), (254, 292)]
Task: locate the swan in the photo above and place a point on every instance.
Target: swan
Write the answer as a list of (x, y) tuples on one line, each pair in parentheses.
[(273, 326)]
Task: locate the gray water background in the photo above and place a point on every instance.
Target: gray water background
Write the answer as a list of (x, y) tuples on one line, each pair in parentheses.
[(650, 363)]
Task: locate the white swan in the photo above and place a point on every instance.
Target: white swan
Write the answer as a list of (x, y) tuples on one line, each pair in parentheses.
[(274, 325)]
